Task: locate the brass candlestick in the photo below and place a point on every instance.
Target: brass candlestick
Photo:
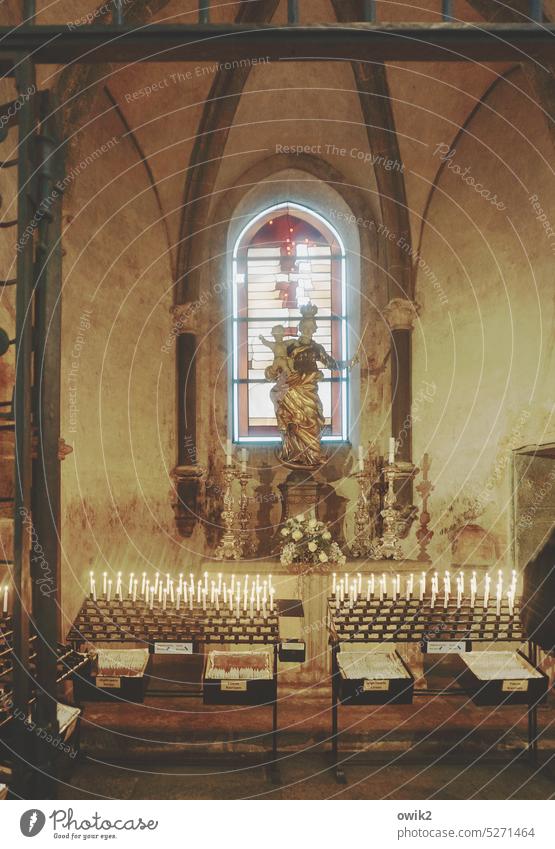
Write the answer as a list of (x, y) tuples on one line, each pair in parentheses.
[(248, 546), (424, 534), (362, 542), (230, 546), (388, 546)]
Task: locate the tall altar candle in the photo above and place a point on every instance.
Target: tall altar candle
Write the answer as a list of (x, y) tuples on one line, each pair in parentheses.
[(5, 600), (228, 452), (244, 457), (392, 446), (360, 459)]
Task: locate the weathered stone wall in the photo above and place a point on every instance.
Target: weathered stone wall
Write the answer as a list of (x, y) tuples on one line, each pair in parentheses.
[(487, 346)]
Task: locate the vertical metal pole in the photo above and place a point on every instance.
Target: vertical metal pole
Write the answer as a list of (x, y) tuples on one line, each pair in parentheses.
[(117, 13), (536, 10), (447, 10), (204, 11), (45, 565), (25, 81), (29, 11), (292, 11), (369, 10)]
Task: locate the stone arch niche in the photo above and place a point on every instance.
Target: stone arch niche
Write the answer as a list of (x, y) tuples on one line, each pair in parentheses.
[(308, 181)]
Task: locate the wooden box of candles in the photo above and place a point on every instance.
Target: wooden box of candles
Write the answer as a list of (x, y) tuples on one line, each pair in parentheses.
[(116, 674), (371, 677), (502, 677), (239, 678)]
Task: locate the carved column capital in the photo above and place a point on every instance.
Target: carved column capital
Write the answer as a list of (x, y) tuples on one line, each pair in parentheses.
[(401, 313), (183, 316)]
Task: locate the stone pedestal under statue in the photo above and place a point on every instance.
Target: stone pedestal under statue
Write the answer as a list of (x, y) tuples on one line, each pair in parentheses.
[(302, 492)]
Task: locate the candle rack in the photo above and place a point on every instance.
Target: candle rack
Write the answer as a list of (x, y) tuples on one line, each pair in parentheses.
[(438, 628)]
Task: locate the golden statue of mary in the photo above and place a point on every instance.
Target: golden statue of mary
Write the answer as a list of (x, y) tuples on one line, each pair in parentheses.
[(297, 404)]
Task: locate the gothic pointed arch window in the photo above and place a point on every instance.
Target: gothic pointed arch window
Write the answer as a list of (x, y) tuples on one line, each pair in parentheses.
[(285, 257)]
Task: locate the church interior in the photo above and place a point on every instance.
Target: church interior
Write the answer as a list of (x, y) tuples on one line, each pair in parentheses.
[(277, 445)]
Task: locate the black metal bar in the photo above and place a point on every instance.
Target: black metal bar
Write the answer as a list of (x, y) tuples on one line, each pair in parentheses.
[(29, 11), (369, 10), (227, 42), (23, 425), (447, 10), (292, 11), (117, 13), (45, 569), (536, 10), (204, 11)]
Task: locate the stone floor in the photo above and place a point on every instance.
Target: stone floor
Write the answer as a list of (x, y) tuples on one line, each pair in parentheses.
[(177, 748), (306, 777)]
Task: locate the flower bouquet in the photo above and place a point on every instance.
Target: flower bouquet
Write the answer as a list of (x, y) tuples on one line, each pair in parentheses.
[(308, 542)]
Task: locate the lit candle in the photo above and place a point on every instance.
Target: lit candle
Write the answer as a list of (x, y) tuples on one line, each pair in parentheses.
[(143, 583), (372, 584), (164, 598), (422, 585), (381, 588), (334, 583), (204, 594), (5, 601), (433, 601), (384, 588), (135, 585), (217, 601), (156, 579), (178, 598), (219, 582), (392, 446), (398, 586), (448, 581), (160, 589), (368, 590), (407, 589), (185, 592), (151, 598), (104, 583), (212, 591), (118, 585), (272, 592), (487, 582), (199, 588), (91, 581), (228, 453), (232, 584), (461, 576), (206, 583), (359, 576), (181, 581), (360, 459), (499, 586), (244, 457), (109, 594), (171, 591), (147, 590), (257, 596), (167, 582), (94, 589), (473, 589), (511, 600)]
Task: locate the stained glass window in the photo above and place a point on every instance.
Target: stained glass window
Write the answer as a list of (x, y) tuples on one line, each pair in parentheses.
[(284, 258)]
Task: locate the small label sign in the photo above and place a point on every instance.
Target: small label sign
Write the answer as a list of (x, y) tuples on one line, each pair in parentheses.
[(234, 686), (110, 682), (513, 685), (173, 648), (292, 646), (373, 686), (447, 648)]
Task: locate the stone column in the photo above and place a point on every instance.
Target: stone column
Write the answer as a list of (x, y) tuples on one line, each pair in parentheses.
[(400, 314)]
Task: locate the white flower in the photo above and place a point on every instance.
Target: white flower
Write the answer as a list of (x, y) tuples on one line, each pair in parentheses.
[(297, 535), (323, 557), (285, 532), (326, 535), (300, 517), (312, 546)]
